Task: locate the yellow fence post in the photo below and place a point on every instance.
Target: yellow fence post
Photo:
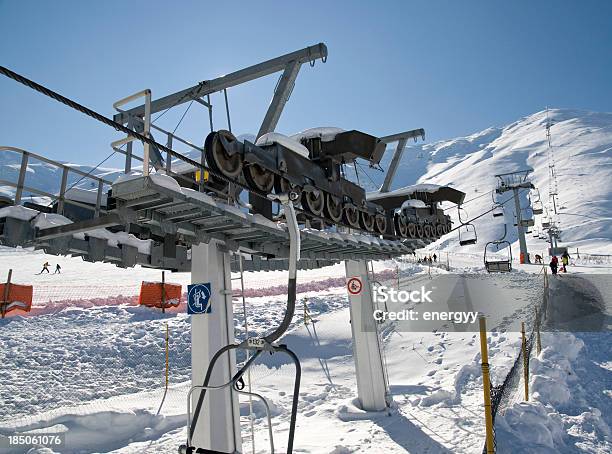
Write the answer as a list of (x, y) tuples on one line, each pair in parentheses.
[(486, 384), (538, 340), (525, 361)]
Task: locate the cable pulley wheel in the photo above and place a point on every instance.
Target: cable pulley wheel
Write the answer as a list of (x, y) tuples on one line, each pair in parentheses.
[(419, 231), (333, 207), (350, 215), (412, 230), (401, 227), (313, 202), (380, 223), (367, 221), (218, 158), (259, 178)]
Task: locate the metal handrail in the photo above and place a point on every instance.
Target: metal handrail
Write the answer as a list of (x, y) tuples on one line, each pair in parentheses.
[(55, 163)]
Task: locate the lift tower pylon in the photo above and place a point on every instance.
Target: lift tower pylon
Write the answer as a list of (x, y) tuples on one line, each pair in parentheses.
[(515, 181)]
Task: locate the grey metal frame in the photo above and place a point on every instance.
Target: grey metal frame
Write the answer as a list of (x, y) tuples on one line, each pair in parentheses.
[(289, 63), (402, 139), (61, 197)]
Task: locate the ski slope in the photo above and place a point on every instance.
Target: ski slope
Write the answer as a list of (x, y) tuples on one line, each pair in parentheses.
[(93, 367), (582, 146)]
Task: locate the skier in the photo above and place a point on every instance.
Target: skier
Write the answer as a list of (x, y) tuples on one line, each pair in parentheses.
[(565, 257), (538, 258), (58, 269), (554, 264), (435, 257), (45, 267)]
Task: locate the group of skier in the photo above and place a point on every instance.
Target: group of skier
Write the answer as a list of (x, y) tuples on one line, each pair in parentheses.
[(428, 259), (554, 263), (45, 268)]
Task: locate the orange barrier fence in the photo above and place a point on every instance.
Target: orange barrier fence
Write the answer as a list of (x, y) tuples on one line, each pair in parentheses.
[(160, 295), (15, 297)]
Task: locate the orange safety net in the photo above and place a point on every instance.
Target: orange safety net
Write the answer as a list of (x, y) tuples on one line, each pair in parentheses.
[(151, 294), (19, 298)]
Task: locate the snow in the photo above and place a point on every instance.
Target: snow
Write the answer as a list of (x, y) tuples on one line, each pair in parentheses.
[(101, 358), (18, 212), (292, 144), (85, 195), (434, 376), (326, 134), (407, 191), (560, 417), (413, 204)]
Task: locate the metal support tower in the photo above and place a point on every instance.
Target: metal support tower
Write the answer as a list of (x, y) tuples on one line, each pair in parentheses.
[(515, 181), (371, 382), (219, 425)]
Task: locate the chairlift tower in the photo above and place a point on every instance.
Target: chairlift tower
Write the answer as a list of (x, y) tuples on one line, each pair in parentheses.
[(515, 181)]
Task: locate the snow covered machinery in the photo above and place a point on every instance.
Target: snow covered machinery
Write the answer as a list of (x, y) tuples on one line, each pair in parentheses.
[(415, 211), (311, 164)]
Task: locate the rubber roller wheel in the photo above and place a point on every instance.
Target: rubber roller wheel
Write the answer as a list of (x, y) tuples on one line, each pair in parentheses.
[(333, 208), (419, 231), (367, 221), (401, 227), (440, 229), (350, 215), (381, 224), (313, 202), (412, 230), (217, 157), (427, 231), (258, 178)]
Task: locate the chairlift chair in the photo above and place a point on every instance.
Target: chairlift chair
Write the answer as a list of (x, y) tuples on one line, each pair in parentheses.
[(493, 265), (527, 222), (467, 235), (546, 223), (498, 210), (537, 207)]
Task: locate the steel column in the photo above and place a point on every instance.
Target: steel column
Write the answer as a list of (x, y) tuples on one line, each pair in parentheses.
[(218, 426), (371, 383), (521, 229)]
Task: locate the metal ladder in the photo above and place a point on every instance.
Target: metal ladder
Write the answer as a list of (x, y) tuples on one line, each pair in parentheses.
[(381, 347), (240, 277)]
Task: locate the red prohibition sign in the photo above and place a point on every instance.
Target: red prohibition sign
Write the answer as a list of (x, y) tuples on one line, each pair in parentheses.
[(354, 286)]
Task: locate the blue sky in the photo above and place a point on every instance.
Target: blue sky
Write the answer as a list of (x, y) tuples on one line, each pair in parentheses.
[(452, 67)]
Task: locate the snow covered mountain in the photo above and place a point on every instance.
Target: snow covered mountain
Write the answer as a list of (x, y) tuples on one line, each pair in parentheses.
[(582, 147)]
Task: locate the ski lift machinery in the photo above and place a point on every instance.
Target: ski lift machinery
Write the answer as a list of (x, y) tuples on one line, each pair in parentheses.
[(469, 233), (499, 265), (257, 345)]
